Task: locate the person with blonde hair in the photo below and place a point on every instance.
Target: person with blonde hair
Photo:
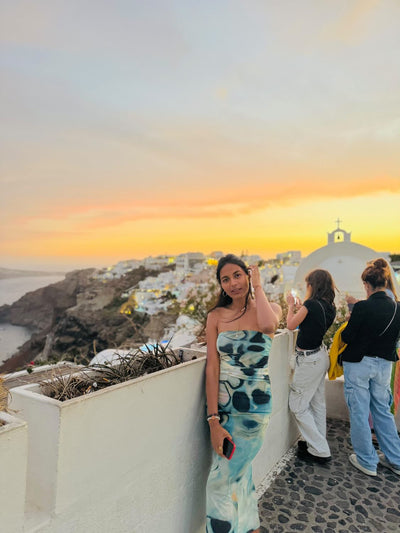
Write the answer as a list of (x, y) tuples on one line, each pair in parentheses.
[(371, 336), (390, 290), (389, 284), (389, 281)]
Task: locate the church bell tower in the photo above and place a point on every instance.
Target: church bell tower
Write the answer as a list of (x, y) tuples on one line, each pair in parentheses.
[(339, 234)]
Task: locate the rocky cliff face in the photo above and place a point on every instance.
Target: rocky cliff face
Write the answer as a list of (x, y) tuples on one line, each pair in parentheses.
[(75, 318), (38, 310)]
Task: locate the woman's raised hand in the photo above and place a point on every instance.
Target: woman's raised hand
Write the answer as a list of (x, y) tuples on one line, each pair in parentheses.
[(255, 277), (293, 301), (290, 299)]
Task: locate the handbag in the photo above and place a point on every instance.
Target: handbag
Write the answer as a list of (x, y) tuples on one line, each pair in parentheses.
[(323, 310), (337, 347)]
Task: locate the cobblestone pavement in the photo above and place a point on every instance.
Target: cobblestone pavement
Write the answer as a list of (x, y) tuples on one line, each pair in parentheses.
[(331, 498)]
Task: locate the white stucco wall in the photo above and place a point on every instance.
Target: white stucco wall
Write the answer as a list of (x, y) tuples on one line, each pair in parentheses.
[(135, 457), (282, 430), (124, 459), (132, 458), (13, 460)]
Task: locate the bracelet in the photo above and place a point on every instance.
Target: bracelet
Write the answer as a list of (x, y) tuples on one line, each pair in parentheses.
[(212, 416)]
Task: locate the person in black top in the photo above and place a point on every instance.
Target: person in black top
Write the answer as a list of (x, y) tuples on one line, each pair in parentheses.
[(371, 336), (307, 390)]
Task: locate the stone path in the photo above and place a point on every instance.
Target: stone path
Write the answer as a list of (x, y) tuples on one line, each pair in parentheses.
[(332, 498)]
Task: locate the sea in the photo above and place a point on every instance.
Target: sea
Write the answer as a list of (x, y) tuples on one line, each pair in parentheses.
[(11, 290)]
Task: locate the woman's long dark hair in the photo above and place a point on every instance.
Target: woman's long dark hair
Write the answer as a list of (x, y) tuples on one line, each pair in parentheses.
[(223, 299), (322, 285)]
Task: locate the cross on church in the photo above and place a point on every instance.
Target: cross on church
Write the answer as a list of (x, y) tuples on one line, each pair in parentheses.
[(338, 221)]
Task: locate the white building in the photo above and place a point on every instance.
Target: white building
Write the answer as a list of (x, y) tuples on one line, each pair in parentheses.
[(157, 263), (118, 270), (288, 273), (344, 259), (187, 261), (217, 254), (251, 259), (293, 256)]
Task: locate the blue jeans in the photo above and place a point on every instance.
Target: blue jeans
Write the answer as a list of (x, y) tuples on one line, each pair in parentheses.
[(367, 389)]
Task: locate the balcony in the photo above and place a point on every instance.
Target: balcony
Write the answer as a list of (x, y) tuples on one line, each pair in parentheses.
[(135, 458)]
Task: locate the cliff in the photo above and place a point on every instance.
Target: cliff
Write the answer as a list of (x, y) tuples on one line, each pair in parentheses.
[(77, 317)]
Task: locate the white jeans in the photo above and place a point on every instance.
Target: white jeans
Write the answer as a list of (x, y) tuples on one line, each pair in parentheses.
[(307, 400)]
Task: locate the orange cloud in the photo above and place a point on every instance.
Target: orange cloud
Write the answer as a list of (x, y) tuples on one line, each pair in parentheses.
[(265, 231), (219, 203)]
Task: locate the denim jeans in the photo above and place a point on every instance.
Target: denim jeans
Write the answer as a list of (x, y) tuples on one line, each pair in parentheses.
[(367, 389), (307, 400)]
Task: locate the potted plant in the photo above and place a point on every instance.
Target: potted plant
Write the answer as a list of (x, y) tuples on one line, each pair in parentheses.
[(121, 367), (121, 442)]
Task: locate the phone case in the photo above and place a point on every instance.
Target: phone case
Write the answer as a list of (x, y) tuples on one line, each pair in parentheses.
[(228, 448)]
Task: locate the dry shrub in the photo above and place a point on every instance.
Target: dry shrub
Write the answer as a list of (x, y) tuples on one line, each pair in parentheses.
[(65, 387), (100, 375), (4, 394)]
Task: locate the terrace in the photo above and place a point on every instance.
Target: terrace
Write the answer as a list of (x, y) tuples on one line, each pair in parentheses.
[(135, 457)]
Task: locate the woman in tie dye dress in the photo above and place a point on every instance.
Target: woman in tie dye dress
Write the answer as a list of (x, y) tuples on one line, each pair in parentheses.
[(239, 332)]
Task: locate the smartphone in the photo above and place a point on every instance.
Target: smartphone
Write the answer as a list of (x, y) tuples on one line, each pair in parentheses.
[(251, 283), (293, 292), (228, 448), (251, 289)]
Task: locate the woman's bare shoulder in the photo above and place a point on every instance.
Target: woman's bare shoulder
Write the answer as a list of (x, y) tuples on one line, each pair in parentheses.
[(214, 316)]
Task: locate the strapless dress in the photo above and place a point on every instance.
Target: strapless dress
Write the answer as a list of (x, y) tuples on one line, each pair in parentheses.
[(244, 404)]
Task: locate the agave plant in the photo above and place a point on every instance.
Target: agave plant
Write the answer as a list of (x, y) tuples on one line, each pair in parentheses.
[(141, 361), (65, 387), (155, 357)]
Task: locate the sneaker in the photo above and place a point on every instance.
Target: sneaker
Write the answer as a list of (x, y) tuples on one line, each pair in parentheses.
[(301, 445), (384, 462), (307, 456), (354, 461)]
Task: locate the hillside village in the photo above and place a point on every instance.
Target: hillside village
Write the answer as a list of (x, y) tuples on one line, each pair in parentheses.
[(129, 304), (191, 272), (163, 298)]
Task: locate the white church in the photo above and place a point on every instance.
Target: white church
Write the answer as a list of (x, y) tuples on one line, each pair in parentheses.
[(344, 259)]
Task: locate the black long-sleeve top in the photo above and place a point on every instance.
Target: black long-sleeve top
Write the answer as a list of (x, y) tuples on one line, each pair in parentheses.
[(364, 331)]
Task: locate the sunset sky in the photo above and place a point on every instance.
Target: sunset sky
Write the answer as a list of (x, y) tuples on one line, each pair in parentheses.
[(135, 128)]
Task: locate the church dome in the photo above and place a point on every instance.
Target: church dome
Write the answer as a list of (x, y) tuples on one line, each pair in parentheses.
[(344, 259)]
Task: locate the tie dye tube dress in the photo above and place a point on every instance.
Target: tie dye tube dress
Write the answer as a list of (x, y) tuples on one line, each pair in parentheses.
[(244, 404)]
